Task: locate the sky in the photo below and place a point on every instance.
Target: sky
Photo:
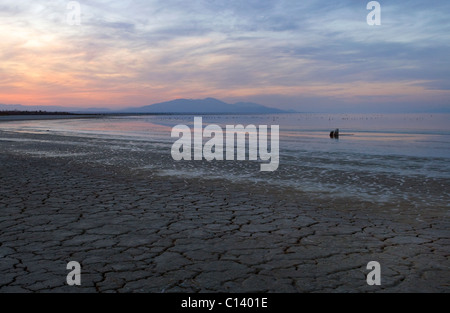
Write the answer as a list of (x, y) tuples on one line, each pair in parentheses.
[(310, 56)]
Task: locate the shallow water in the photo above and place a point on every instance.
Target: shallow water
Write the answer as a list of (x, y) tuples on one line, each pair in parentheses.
[(383, 158)]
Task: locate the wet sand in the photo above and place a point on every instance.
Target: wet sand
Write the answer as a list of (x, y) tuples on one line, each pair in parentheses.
[(135, 231)]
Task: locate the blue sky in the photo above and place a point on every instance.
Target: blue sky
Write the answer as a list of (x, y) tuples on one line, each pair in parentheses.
[(315, 56)]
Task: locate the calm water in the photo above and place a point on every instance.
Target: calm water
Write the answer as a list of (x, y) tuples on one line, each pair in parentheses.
[(379, 157)]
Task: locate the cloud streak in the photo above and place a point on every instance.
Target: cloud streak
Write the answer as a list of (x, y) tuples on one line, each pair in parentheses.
[(305, 55)]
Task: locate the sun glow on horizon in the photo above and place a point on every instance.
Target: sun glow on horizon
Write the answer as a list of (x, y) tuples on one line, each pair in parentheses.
[(142, 53)]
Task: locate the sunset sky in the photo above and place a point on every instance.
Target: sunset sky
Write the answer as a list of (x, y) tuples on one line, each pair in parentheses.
[(314, 56)]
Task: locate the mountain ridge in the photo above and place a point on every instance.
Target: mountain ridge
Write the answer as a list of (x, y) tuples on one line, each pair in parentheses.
[(207, 105)]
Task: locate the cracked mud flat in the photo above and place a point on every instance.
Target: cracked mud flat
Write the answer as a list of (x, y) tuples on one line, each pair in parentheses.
[(134, 230)]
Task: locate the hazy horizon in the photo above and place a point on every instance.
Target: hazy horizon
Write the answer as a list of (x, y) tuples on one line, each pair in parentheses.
[(129, 110), (309, 56)]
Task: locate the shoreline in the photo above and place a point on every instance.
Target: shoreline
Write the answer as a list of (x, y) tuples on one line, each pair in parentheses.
[(38, 117), (135, 231)]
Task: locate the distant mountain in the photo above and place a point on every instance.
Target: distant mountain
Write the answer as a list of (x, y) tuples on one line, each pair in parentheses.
[(208, 105)]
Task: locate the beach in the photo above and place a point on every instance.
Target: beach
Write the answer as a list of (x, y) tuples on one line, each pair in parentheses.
[(248, 148), (133, 229)]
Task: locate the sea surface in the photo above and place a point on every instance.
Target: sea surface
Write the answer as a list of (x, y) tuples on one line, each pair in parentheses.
[(402, 159)]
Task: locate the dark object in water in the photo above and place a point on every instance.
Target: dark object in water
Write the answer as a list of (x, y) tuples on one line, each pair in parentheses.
[(335, 134)]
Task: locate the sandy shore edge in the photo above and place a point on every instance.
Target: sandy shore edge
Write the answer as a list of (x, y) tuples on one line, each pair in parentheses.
[(134, 231)]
